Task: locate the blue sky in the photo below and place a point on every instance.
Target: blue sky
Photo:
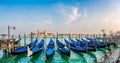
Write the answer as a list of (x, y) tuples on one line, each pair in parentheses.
[(63, 16)]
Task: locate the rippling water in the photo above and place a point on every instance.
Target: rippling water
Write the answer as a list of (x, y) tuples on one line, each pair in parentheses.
[(58, 57)]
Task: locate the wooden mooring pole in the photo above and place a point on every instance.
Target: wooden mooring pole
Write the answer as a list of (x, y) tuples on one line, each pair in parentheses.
[(94, 42), (13, 45), (62, 38), (8, 31), (31, 36), (69, 37), (69, 40), (24, 39), (19, 39), (56, 38), (79, 36)]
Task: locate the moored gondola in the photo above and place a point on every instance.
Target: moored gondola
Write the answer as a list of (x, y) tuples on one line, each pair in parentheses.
[(85, 45), (62, 48), (24, 49), (74, 46), (50, 49), (98, 43), (39, 47)]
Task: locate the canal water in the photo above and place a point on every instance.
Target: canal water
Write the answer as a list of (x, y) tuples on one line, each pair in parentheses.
[(58, 57)]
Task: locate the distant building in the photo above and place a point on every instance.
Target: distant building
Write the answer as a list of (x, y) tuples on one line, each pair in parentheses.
[(3, 35), (50, 34), (44, 33), (30, 34)]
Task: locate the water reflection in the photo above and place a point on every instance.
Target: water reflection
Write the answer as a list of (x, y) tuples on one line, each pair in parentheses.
[(63, 56), (94, 59), (35, 57), (18, 57), (79, 57)]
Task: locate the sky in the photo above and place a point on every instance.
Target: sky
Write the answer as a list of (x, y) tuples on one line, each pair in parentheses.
[(63, 16)]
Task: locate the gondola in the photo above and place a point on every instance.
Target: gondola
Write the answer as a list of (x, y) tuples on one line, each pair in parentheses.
[(62, 48), (50, 49), (74, 46), (9, 42), (85, 45), (17, 41), (39, 47), (98, 43), (107, 43), (24, 49)]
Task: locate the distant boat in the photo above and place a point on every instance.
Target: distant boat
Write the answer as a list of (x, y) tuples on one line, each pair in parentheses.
[(24, 49), (17, 41), (108, 43), (85, 45), (50, 49), (74, 46), (62, 48), (9, 42), (98, 43)]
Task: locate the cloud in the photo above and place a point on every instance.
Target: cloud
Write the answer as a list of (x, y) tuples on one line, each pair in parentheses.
[(71, 13), (73, 16)]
